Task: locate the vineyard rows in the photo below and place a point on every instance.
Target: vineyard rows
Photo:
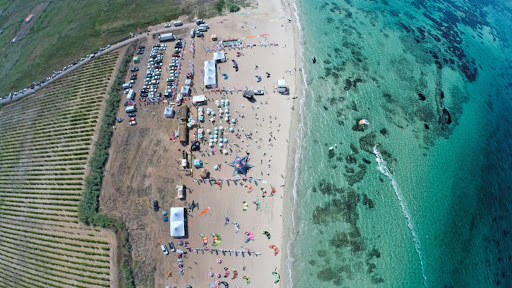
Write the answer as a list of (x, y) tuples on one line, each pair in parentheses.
[(45, 146)]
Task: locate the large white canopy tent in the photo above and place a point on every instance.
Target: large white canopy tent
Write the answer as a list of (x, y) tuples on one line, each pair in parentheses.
[(210, 74), (177, 229)]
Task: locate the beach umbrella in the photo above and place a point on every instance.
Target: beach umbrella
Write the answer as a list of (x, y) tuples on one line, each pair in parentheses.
[(233, 120), (225, 151), (164, 213), (216, 167), (211, 136), (276, 251), (217, 275), (231, 129), (209, 131), (220, 111), (221, 145), (217, 282), (226, 118), (278, 277), (211, 144), (225, 140), (210, 274), (219, 261), (216, 132), (204, 211), (221, 128), (223, 102), (215, 136), (200, 136), (199, 130)]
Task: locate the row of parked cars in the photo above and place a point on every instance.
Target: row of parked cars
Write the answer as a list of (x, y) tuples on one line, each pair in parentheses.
[(174, 67), (55, 73), (153, 73)]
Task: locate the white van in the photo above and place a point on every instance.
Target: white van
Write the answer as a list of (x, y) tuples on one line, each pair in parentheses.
[(192, 33), (130, 109), (127, 85), (177, 23)]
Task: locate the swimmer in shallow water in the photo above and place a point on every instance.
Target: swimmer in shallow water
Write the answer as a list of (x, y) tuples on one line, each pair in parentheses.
[(314, 60)]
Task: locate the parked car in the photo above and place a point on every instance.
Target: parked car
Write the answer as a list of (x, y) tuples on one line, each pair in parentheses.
[(133, 123), (164, 249), (131, 114), (171, 247), (155, 205), (134, 69)]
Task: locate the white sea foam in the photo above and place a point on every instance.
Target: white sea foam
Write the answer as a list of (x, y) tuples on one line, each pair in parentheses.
[(298, 153), (405, 210)]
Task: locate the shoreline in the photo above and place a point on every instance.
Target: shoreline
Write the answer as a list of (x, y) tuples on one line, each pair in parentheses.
[(295, 123)]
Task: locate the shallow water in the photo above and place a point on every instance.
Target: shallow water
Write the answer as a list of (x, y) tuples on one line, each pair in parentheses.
[(421, 196)]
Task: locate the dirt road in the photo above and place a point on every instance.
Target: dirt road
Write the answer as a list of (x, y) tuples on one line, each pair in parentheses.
[(113, 47)]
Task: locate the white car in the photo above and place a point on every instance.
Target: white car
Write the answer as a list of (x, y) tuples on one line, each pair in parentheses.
[(133, 123), (164, 249)]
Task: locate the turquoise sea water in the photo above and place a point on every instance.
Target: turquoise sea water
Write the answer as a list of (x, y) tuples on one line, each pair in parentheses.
[(421, 197)]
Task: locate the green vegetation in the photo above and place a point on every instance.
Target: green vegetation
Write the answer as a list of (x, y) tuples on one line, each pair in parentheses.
[(88, 207), (44, 150), (231, 7), (67, 31)]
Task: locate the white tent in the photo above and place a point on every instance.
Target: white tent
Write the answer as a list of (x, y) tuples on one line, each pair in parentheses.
[(199, 100), (188, 82), (210, 82), (177, 214), (185, 90), (210, 64), (210, 74), (177, 229), (169, 112), (219, 57)]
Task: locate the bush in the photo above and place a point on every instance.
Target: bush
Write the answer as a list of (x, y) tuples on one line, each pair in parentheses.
[(88, 207), (220, 5), (233, 8)]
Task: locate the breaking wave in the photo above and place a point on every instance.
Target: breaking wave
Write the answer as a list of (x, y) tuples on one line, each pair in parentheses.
[(405, 210)]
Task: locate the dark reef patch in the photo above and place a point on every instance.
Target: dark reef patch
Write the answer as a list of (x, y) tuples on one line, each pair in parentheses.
[(343, 208), (367, 142), (422, 97)]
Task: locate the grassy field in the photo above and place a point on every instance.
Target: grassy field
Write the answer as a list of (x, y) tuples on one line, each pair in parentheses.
[(68, 30), (44, 150)]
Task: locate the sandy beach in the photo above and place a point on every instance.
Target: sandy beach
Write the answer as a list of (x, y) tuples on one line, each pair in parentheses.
[(262, 133), (264, 130)]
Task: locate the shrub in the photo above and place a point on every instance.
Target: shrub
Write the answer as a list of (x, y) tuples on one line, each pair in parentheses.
[(220, 5), (233, 8)]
